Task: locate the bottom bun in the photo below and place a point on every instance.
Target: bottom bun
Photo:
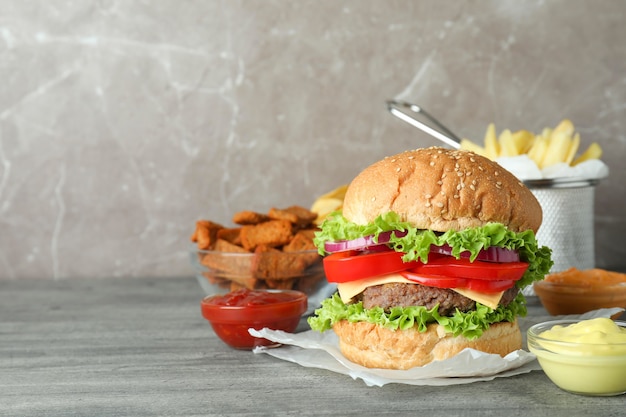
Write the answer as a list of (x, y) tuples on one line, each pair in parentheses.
[(374, 346)]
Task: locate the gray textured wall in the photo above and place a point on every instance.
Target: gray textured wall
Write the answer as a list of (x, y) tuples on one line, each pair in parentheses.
[(122, 122)]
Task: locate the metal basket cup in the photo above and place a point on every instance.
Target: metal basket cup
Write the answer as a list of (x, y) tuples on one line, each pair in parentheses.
[(568, 221)]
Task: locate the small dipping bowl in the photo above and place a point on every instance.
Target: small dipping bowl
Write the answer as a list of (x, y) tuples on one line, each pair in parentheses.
[(232, 314), (576, 292), (591, 368)]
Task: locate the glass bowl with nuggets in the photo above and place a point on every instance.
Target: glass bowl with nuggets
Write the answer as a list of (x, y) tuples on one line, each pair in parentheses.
[(272, 250)]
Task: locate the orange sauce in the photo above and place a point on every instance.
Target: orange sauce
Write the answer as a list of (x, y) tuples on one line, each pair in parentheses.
[(589, 277), (578, 291)]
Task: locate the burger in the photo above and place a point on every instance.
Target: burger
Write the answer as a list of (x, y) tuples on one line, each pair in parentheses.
[(429, 252)]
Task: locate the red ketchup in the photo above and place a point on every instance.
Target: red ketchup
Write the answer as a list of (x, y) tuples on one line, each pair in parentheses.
[(243, 298), (232, 314)]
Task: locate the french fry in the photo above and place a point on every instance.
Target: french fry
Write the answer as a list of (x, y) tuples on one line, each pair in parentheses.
[(573, 149), (566, 127), (557, 149), (492, 148), (546, 133), (594, 151), (523, 141), (329, 202), (323, 207), (471, 146), (551, 146), (507, 144), (339, 192), (538, 150)]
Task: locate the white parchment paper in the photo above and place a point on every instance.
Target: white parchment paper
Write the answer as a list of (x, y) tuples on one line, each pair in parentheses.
[(321, 350)]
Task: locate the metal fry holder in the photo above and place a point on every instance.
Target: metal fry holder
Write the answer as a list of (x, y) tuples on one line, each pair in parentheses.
[(568, 222)]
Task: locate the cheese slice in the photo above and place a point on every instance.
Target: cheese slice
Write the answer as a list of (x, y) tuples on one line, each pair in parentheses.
[(489, 299), (348, 290)]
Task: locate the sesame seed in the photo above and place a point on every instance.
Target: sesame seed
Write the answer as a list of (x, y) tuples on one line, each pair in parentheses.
[(472, 187), (428, 196), (456, 196), (440, 182), (472, 159), (432, 163), (427, 205), (440, 204), (398, 169), (374, 198)]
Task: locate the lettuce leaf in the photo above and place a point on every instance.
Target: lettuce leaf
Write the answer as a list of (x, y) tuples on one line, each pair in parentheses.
[(470, 325), (416, 243)]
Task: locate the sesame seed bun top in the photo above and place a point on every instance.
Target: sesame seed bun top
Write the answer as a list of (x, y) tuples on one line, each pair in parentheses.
[(442, 189)]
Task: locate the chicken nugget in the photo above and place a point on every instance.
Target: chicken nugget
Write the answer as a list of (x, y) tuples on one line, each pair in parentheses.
[(271, 263), (301, 241), (247, 217), (222, 245), (272, 233), (230, 234), (309, 233), (231, 262), (297, 215), (205, 234)]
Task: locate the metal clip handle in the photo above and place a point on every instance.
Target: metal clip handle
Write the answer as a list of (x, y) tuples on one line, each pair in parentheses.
[(428, 124)]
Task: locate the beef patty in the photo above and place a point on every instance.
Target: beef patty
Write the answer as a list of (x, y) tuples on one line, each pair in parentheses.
[(404, 295)]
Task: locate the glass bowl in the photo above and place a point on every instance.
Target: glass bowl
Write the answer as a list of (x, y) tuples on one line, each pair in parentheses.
[(232, 314), (221, 272), (587, 368)]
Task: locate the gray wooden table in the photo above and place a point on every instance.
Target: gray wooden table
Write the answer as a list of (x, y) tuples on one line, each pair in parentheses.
[(140, 347)]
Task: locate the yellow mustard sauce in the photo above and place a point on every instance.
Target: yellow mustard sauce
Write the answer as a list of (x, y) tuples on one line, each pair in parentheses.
[(600, 336)]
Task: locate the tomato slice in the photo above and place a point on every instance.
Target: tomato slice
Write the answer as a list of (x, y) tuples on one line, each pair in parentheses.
[(353, 265), (479, 285), (448, 266)]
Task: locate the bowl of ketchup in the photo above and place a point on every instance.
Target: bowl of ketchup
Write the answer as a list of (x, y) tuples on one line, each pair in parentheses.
[(232, 314)]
